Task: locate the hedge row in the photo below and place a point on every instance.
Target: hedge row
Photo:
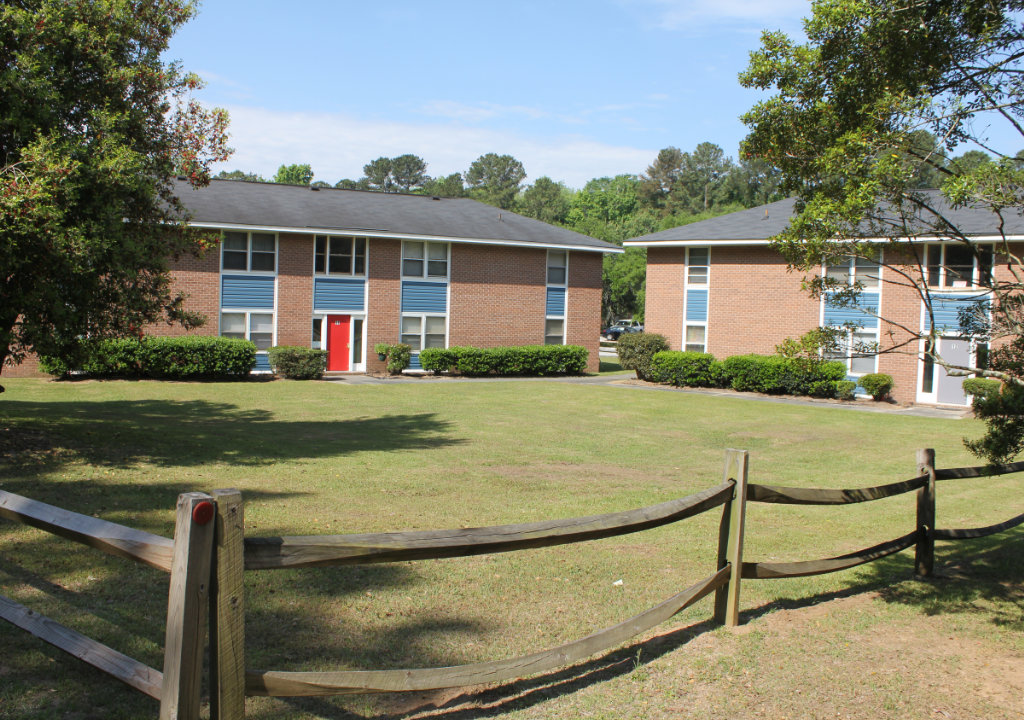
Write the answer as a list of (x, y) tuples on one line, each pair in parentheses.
[(533, 360), (297, 363), (191, 356), (770, 374)]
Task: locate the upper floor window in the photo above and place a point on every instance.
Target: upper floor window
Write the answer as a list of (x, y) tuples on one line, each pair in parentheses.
[(850, 270), (697, 262), (424, 259), (339, 255), (558, 267), (955, 265), (249, 251)]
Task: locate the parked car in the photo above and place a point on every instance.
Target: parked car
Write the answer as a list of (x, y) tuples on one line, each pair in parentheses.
[(621, 327)]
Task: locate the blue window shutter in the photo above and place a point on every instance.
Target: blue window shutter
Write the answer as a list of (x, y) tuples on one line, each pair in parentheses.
[(425, 297), (339, 294), (247, 291), (555, 306)]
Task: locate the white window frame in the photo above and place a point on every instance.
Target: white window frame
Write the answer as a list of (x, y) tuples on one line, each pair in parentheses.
[(703, 345), (425, 276), (248, 323), (549, 266), (707, 268), (248, 252), (959, 285), (859, 272), (423, 328), (846, 353), (554, 318), (328, 240)]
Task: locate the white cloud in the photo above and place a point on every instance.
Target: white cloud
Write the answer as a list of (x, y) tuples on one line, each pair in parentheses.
[(338, 145), (479, 111)]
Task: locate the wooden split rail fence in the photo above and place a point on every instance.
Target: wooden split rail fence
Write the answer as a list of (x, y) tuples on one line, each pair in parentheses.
[(209, 554)]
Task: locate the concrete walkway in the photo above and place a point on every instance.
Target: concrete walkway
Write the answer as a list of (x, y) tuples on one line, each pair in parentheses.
[(627, 381)]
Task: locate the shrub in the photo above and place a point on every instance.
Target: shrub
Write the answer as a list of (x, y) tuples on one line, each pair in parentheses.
[(397, 356), (981, 388), (636, 350), (531, 360), (298, 363), (683, 369), (782, 376), (877, 385), (191, 356), (845, 389)]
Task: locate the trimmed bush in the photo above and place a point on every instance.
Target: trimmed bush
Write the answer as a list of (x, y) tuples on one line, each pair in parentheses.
[(397, 356), (845, 389), (877, 385), (528, 360), (776, 375), (683, 369), (982, 388), (177, 358), (637, 350), (298, 363)]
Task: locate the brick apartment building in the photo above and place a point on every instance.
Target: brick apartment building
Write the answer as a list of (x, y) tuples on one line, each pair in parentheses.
[(343, 270), (717, 286)]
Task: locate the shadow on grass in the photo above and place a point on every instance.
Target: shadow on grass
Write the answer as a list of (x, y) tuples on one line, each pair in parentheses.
[(121, 433), (978, 576)]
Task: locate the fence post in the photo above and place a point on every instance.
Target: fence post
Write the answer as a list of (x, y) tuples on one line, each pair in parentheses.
[(730, 539), (227, 610), (186, 603), (924, 553)]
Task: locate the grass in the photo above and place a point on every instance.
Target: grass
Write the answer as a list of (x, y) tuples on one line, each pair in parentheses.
[(319, 458)]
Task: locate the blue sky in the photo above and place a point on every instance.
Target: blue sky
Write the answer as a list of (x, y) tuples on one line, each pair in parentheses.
[(574, 90)]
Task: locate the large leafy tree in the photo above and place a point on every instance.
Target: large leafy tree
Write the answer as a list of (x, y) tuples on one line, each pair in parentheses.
[(844, 126), (495, 179), (450, 186), (294, 174), (93, 128), (545, 200)]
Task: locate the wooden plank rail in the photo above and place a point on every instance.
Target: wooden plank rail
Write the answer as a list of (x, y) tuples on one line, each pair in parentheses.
[(153, 550), (971, 533), (319, 550), (765, 570), (297, 684), (816, 496), (128, 670), (981, 471)]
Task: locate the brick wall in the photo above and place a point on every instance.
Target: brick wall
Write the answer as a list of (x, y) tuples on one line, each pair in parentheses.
[(295, 290), (583, 305), (198, 278), (663, 311), (754, 303), (384, 261), (900, 306)]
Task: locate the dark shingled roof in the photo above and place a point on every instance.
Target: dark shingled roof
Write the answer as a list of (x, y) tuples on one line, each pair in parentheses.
[(233, 202), (761, 223)]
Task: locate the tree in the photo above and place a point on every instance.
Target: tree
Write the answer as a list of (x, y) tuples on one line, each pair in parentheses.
[(495, 179), (93, 128), (545, 200), (844, 129), (660, 185), (294, 175), (450, 186), (703, 175), (346, 184), (239, 175), (409, 172)]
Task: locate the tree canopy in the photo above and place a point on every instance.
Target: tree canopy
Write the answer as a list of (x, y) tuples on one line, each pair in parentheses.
[(846, 125), (297, 174), (495, 179), (93, 128)]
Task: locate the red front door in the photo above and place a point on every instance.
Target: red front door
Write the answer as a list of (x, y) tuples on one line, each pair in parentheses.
[(338, 341)]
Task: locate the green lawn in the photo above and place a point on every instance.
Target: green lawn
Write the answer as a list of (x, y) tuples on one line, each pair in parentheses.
[(314, 458)]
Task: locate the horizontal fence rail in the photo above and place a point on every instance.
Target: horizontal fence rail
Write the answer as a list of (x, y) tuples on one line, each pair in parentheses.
[(294, 684), (981, 471), (318, 550), (815, 496), (765, 570), (972, 533), (153, 550)]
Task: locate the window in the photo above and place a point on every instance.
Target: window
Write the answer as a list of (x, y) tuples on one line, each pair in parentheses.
[(554, 331), (423, 331), (957, 266), (696, 340), (339, 255), (256, 252), (254, 326), (858, 351), (697, 262), (850, 270), (558, 264), (425, 259)]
